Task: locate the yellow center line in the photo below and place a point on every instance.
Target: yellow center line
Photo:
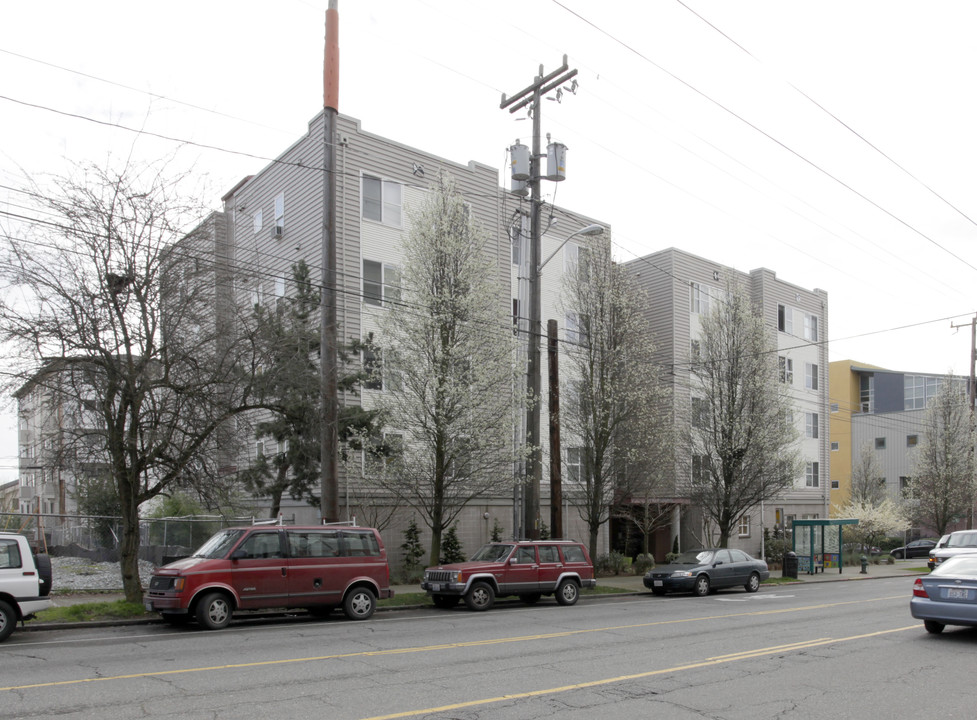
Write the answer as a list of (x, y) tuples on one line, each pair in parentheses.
[(637, 676), (434, 648)]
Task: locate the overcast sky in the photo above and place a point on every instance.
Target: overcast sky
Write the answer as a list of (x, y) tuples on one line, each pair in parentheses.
[(832, 142)]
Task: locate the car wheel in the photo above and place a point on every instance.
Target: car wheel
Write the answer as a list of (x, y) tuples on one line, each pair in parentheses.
[(658, 591), (530, 598), (897, 555), (567, 593), (8, 620), (480, 596), (359, 604), (701, 587), (933, 627), (753, 584), (445, 602), (214, 611)]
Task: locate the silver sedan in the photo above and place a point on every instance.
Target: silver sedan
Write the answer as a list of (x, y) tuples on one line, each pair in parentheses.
[(948, 595)]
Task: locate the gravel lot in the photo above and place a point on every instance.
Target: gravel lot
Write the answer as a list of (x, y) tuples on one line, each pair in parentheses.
[(80, 575)]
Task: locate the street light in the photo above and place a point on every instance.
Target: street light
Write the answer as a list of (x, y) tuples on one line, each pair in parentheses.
[(588, 231), (533, 430)]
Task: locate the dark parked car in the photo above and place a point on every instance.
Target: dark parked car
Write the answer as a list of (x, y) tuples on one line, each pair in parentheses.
[(948, 595), (917, 548), (700, 571)]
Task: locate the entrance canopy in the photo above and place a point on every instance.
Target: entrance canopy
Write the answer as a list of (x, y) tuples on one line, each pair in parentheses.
[(818, 544)]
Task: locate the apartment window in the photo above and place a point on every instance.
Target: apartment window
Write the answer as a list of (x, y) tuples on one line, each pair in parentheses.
[(811, 327), (912, 440), (700, 413), (256, 220), (919, 391), (515, 315), (785, 319), (701, 465), (866, 391), (259, 449), (786, 370), (699, 298), (575, 472), (810, 376), (576, 262), (382, 201), (835, 446), (880, 443), (744, 526), (279, 215), (811, 425), (381, 283), (578, 328), (812, 478), (834, 407), (372, 364), (834, 485)]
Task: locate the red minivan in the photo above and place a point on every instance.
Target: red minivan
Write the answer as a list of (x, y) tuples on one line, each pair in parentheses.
[(318, 567)]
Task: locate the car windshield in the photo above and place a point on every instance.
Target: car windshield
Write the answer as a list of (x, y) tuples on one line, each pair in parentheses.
[(492, 553), (958, 565), (219, 545), (694, 557), (968, 539)]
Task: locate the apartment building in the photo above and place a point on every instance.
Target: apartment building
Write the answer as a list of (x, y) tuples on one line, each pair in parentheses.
[(681, 288), (274, 218), (882, 412)]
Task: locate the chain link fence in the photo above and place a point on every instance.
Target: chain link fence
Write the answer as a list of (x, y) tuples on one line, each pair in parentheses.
[(97, 537)]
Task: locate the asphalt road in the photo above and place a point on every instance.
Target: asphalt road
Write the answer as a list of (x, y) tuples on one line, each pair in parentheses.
[(820, 650)]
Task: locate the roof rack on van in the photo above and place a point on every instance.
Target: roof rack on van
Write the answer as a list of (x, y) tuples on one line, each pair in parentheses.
[(349, 523), (273, 521)]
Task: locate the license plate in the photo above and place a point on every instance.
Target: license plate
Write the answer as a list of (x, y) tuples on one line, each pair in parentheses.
[(956, 593), (658, 583), (149, 607), (435, 587)]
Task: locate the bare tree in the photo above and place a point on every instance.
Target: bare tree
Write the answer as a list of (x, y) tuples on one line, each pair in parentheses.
[(742, 441), (616, 407), (448, 368), (113, 306), (942, 485), (867, 480)]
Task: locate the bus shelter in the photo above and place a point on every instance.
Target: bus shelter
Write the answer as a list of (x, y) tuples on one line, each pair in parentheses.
[(817, 544)]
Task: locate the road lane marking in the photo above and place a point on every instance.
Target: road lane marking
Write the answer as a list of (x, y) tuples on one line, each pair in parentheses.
[(748, 654), (445, 646)]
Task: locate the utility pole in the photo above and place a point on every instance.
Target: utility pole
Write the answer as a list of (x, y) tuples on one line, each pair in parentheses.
[(972, 394), (556, 474), (531, 95), (328, 341)]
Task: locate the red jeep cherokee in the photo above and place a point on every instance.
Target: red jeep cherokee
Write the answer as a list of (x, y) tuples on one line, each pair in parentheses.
[(527, 568), (249, 568)]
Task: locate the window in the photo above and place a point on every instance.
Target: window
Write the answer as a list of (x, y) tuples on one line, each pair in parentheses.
[(279, 287), (572, 553), (866, 388), (516, 235), (700, 413), (785, 319), (576, 262), (786, 370), (256, 221), (262, 545), (810, 376), (373, 366), (835, 446), (811, 425), (811, 476), (360, 543), (811, 327), (575, 463), (834, 407), (699, 296), (919, 391), (695, 354), (259, 449), (578, 328), (279, 228), (515, 316), (548, 554), (382, 201), (880, 443), (381, 283), (701, 466), (912, 440), (744, 526), (9, 555)]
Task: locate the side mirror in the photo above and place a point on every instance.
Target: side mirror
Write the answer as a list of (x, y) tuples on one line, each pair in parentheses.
[(238, 554)]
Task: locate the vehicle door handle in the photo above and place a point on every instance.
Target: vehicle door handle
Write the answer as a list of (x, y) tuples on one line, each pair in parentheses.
[(284, 572)]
